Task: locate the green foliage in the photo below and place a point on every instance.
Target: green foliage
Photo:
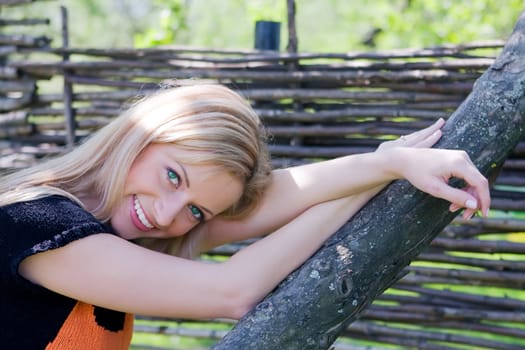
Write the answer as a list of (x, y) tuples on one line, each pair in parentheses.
[(322, 25), (264, 10), (421, 23), (339, 25), (172, 21)]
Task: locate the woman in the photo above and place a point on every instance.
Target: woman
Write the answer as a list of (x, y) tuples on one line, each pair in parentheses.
[(181, 172)]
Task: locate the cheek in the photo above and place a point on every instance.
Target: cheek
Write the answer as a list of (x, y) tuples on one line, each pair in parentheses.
[(180, 227), (141, 179), (132, 178), (120, 220)]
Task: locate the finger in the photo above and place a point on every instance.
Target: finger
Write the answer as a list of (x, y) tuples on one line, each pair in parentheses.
[(426, 132), (468, 214), (454, 207), (478, 188), (477, 185), (425, 137), (475, 195), (429, 141), (437, 125), (459, 198), (473, 192)]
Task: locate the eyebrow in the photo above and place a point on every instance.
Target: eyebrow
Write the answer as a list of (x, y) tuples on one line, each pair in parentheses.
[(186, 180)]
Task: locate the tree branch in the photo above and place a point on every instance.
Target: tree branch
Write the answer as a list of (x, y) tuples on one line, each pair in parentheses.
[(316, 303)]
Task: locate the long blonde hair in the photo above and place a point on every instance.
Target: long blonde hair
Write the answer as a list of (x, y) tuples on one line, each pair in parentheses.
[(216, 124)]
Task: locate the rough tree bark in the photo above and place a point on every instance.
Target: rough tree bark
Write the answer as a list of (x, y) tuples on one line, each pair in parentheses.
[(315, 303)]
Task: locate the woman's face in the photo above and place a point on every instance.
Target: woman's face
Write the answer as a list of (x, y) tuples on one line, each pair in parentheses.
[(164, 197)]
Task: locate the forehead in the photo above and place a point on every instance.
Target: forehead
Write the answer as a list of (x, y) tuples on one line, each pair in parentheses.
[(194, 160)]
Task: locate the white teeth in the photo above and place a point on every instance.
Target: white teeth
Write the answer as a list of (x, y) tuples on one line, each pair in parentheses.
[(140, 214)]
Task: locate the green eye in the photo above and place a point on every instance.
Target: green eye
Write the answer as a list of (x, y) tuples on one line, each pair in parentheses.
[(173, 177), (196, 213)]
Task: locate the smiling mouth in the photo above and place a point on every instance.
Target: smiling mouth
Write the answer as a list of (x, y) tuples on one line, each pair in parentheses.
[(140, 214)]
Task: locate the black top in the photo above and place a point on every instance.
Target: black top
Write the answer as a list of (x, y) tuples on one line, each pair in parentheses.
[(31, 316)]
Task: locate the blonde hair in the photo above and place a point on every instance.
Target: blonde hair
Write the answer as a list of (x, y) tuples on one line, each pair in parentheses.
[(216, 124)]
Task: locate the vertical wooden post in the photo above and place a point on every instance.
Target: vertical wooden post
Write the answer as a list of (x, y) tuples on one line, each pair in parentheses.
[(292, 32), (69, 115), (293, 65)]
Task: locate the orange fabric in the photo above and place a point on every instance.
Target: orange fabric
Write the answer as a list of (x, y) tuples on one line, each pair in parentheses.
[(80, 331)]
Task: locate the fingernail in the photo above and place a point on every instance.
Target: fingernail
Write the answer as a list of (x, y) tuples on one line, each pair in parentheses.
[(471, 204)]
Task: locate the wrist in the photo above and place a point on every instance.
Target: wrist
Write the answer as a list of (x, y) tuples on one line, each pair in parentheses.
[(394, 162)]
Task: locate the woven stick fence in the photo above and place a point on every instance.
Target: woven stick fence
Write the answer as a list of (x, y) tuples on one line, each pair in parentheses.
[(464, 291)]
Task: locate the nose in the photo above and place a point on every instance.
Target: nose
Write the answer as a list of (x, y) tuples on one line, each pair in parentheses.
[(167, 206)]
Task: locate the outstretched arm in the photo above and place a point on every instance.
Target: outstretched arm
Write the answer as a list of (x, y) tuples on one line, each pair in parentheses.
[(293, 190), (119, 275), (111, 272)]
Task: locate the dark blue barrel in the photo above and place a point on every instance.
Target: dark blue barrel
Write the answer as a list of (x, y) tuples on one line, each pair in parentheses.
[(267, 35)]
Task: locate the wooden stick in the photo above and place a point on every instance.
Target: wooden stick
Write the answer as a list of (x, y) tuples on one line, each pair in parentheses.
[(473, 245), (482, 301), (13, 118), (24, 40), (15, 2), (292, 32), (8, 73), (252, 55), (23, 22), (26, 86), (377, 330), (69, 114), (264, 75), (497, 265)]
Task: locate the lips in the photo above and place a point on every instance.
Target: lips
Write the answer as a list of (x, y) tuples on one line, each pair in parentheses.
[(138, 217)]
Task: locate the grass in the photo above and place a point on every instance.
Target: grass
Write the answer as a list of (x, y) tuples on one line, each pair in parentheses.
[(191, 335)]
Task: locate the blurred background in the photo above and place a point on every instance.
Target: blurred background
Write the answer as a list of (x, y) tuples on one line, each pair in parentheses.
[(322, 25)]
